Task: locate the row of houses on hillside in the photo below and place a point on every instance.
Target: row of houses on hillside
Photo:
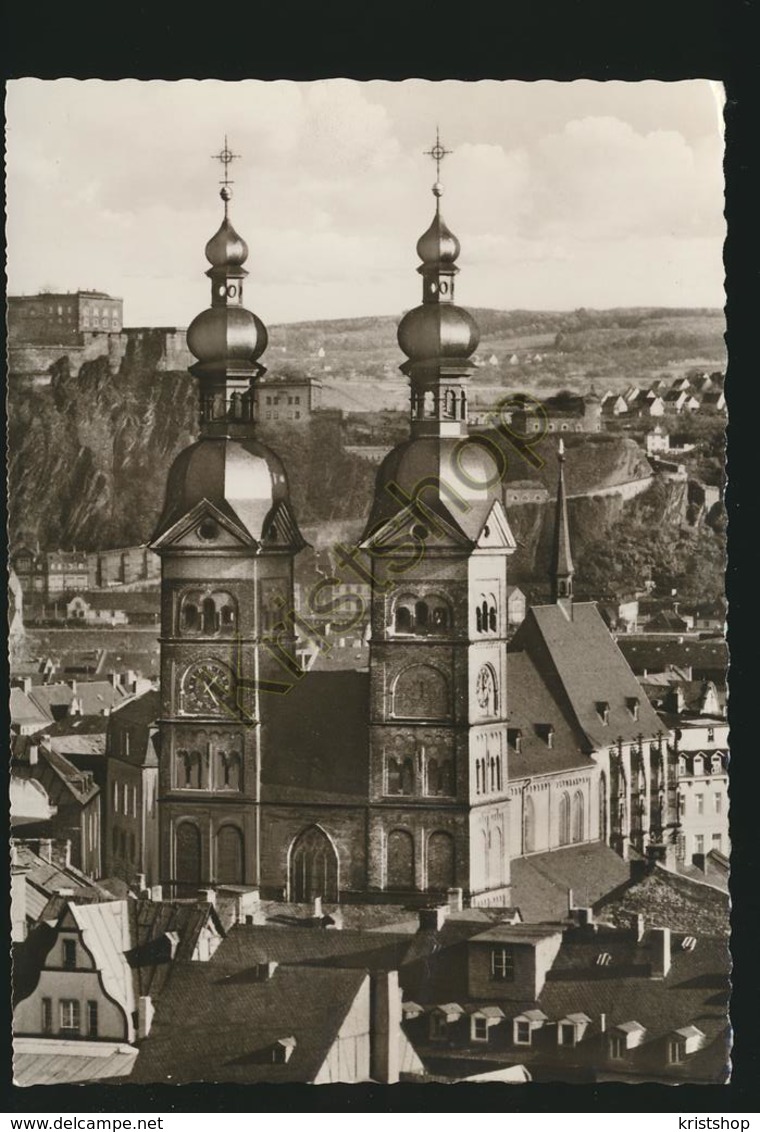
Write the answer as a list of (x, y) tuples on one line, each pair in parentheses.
[(701, 393)]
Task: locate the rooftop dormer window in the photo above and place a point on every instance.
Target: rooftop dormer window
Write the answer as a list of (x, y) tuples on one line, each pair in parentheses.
[(633, 705), (514, 738), (603, 959), (603, 711), (570, 1029), (282, 1050), (524, 1025)]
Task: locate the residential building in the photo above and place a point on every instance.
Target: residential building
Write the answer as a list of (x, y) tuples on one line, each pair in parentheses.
[(580, 1003), (72, 794), (110, 607), (291, 399), (130, 799), (88, 980)]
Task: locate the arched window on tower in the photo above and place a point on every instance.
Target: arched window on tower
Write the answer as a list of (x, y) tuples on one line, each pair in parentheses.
[(207, 613), (210, 616), (564, 819), (530, 824), (404, 620), (479, 618), (603, 831), (451, 403), (578, 816), (421, 615)]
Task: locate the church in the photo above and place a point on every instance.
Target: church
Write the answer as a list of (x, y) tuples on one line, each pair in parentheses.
[(425, 776)]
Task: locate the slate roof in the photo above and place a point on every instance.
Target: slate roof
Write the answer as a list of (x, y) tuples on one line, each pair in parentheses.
[(93, 695), (246, 946), (316, 738), (532, 703), (541, 881), (24, 711), (655, 655), (694, 992), (661, 896), (582, 666), (149, 921), (48, 878), (210, 1025), (42, 1061)]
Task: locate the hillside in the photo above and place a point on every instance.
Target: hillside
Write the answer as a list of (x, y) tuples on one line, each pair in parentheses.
[(89, 454), (538, 350)]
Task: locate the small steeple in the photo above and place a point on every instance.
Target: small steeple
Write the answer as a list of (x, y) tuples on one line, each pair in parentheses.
[(562, 569), (227, 339), (438, 337)]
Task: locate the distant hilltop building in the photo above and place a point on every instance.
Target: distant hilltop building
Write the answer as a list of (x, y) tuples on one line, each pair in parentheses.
[(82, 326), (62, 319), (291, 399)]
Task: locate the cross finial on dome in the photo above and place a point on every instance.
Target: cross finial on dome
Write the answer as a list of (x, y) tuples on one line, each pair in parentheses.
[(437, 152), (226, 157)]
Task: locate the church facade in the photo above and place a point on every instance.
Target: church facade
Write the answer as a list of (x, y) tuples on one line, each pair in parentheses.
[(452, 754)]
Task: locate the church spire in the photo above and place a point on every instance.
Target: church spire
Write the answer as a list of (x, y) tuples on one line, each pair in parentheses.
[(227, 339), (438, 337), (562, 569)]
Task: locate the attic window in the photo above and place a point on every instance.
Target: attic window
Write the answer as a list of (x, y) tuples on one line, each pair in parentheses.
[(603, 959), (514, 738), (633, 706), (688, 943), (282, 1050), (545, 731), (603, 708)]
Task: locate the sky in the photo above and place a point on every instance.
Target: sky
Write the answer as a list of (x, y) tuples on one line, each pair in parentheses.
[(563, 195)]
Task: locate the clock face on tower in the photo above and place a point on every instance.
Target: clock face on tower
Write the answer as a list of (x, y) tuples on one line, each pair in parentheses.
[(485, 690), (207, 689)]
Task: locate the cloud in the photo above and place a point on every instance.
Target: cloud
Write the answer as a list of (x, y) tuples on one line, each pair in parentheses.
[(112, 185)]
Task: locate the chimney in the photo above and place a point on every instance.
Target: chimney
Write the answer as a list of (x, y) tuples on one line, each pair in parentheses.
[(602, 1023), (582, 917), (570, 901), (660, 942), (73, 685), (140, 881), (207, 896), (639, 924), (113, 679), (25, 684), (432, 919), (144, 1016), (46, 849), (385, 1027), (456, 900)]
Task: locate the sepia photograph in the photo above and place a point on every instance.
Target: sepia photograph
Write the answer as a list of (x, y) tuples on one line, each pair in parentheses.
[(367, 558)]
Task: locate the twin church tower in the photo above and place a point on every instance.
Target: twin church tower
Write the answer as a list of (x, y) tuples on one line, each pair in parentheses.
[(390, 784)]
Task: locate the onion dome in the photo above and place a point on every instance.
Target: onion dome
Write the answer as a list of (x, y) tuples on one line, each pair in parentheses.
[(469, 471), (438, 330), (438, 244), (228, 334), (226, 248), (243, 479)]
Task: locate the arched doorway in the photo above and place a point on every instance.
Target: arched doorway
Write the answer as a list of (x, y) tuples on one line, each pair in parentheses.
[(440, 861), (400, 858), (229, 855), (187, 854), (313, 867)]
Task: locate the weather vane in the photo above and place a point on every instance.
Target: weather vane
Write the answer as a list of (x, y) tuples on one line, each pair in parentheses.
[(226, 156), (438, 152)]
